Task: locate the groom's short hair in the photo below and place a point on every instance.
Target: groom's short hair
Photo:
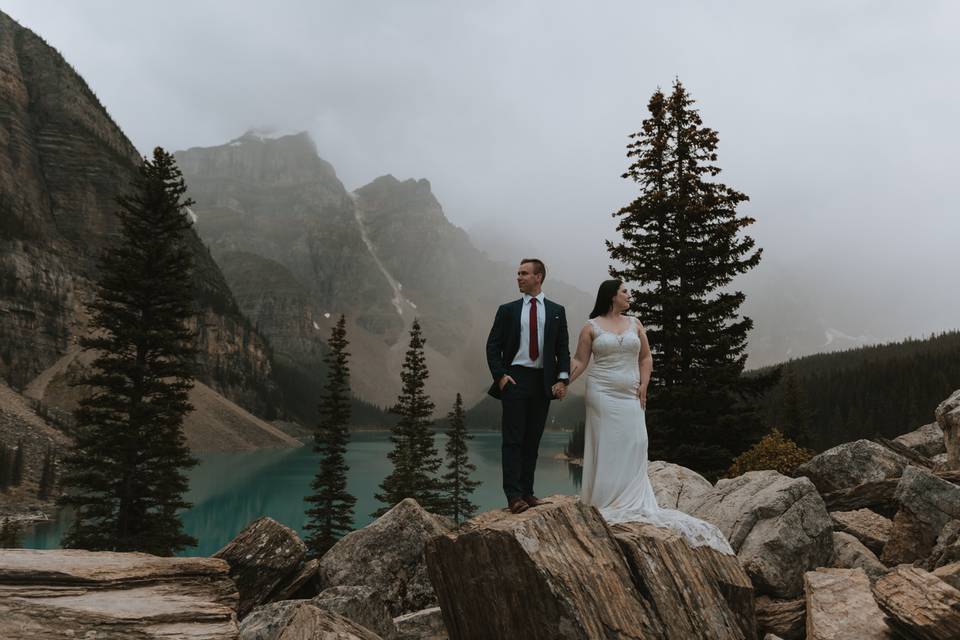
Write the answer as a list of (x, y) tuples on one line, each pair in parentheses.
[(538, 267)]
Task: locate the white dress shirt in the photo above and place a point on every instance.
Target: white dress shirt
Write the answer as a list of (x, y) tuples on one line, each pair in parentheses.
[(522, 358), (523, 353)]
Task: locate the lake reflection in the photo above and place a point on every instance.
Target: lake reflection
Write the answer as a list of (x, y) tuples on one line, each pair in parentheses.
[(230, 490)]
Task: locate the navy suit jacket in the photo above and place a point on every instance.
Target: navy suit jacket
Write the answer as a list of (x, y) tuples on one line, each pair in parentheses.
[(504, 342)]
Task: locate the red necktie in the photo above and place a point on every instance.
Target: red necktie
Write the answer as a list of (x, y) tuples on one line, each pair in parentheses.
[(534, 331)]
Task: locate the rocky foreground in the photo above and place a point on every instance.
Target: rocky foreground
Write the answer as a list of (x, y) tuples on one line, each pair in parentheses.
[(863, 544)]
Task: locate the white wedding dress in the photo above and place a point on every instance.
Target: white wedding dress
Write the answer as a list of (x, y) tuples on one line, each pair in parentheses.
[(615, 478)]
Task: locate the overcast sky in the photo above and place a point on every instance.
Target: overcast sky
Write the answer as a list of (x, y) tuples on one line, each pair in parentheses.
[(837, 118)]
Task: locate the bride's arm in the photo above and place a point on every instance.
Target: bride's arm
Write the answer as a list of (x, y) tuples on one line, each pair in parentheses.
[(581, 358), (646, 365)]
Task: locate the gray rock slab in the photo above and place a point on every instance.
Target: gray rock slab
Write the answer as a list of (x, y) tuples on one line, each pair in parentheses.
[(361, 604), (850, 553), (300, 620), (927, 504), (850, 464), (870, 528), (778, 526), (840, 606), (387, 555), (927, 440), (677, 487)]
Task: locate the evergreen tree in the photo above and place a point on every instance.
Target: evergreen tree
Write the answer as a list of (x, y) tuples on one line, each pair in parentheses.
[(796, 416), (331, 515), (681, 247), (575, 444), (457, 483), (880, 390), (16, 474), (47, 475), (414, 455), (9, 534), (6, 467), (125, 474)]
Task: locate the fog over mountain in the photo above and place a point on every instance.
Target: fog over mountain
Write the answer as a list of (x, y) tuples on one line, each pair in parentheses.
[(836, 119)]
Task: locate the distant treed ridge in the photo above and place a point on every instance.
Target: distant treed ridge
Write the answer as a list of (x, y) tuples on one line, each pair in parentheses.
[(882, 390)]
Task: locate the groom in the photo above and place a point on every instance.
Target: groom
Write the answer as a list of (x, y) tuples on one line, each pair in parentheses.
[(529, 359)]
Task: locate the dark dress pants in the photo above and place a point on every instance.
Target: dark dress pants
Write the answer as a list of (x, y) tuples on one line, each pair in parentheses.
[(525, 407)]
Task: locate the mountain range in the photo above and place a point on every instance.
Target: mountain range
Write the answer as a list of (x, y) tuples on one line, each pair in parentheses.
[(63, 162), (282, 248), (298, 250)]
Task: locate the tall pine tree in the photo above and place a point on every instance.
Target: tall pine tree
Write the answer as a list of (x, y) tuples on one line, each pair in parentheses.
[(9, 534), (796, 414), (16, 476), (47, 475), (331, 515), (6, 467), (414, 455), (457, 484), (125, 474), (682, 246)]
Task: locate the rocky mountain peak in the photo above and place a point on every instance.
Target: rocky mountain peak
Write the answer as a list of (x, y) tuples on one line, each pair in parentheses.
[(262, 160), (389, 196), (63, 162)]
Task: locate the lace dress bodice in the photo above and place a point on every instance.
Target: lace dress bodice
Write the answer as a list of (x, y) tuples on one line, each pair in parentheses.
[(616, 359)]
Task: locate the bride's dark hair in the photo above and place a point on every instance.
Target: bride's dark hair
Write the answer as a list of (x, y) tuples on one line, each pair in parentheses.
[(608, 289)]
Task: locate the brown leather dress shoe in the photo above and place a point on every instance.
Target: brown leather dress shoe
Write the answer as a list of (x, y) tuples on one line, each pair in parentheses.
[(534, 501), (518, 505)]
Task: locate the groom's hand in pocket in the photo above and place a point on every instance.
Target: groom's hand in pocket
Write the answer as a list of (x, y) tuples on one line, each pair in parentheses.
[(504, 380)]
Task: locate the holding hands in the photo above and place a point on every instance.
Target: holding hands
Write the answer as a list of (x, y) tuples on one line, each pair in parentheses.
[(559, 389)]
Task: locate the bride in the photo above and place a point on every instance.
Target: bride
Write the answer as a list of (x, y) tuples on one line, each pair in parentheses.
[(615, 461)]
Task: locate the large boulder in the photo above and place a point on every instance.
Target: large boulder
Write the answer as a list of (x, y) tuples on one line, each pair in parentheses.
[(948, 417), (113, 596), (551, 572), (300, 620), (919, 604), (841, 606), (559, 572), (927, 440), (359, 604), (676, 487), (263, 559), (927, 503), (850, 464), (716, 600), (850, 553), (387, 555), (870, 528), (778, 526)]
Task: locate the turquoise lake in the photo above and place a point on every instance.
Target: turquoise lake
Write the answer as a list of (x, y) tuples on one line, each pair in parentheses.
[(230, 490)]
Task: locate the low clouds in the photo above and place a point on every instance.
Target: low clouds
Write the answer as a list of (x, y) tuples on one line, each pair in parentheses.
[(838, 119)]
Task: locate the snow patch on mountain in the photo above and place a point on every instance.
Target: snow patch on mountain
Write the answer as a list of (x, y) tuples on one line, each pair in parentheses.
[(833, 335), (398, 299)]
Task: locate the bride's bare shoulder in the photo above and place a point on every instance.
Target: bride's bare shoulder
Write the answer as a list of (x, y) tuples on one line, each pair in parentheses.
[(588, 329)]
